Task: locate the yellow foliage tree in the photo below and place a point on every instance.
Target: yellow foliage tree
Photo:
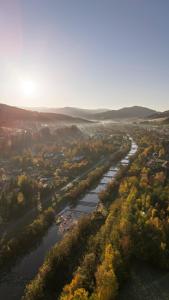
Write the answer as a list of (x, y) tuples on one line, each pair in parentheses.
[(106, 281), (79, 294)]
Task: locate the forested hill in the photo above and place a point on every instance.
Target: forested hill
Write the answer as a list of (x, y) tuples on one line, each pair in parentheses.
[(126, 113), (71, 111), (164, 114), (11, 114), (101, 114)]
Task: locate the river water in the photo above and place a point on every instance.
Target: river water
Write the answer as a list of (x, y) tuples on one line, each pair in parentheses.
[(12, 282)]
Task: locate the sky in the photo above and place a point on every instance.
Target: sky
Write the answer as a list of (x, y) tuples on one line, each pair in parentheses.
[(84, 53)]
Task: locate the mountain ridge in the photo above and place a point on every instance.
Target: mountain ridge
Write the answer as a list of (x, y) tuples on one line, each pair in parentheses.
[(10, 114), (126, 113), (158, 115), (104, 114), (71, 111)]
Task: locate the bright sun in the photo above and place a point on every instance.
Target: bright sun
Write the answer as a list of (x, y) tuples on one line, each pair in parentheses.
[(29, 88)]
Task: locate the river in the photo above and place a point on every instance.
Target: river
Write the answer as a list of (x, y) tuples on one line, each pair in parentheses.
[(13, 281)]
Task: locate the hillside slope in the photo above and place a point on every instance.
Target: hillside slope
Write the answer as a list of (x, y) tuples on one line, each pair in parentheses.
[(70, 111), (125, 113), (164, 114), (11, 114)]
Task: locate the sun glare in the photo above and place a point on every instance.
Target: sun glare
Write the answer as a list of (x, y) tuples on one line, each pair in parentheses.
[(29, 88)]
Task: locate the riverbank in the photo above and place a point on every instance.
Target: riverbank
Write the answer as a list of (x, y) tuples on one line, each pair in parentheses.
[(12, 283), (51, 276)]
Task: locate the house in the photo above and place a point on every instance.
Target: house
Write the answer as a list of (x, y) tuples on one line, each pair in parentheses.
[(78, 158), (48, 155)]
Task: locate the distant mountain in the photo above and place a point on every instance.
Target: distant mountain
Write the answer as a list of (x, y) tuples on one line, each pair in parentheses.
[(71, 111), (159, 115), (11, 114), (166, 121), (125, 113)]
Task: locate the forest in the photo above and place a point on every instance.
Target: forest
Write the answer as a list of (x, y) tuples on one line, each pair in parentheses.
[(24, 194), (134, 227), (39, 169)]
